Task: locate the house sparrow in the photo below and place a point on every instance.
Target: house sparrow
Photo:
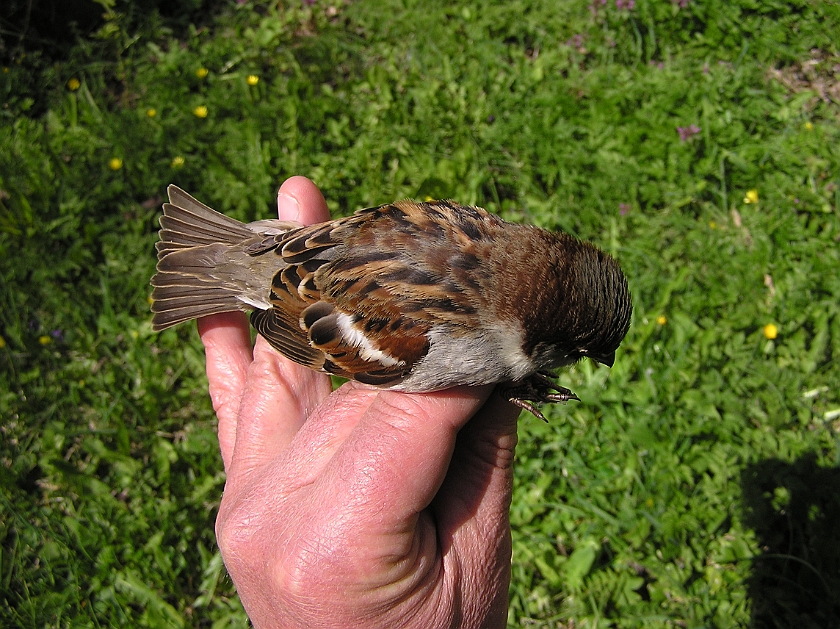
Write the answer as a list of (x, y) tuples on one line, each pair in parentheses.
[(407, 296)]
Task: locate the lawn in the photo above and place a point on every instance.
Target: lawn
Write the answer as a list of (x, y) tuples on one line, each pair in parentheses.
[(697, 484)]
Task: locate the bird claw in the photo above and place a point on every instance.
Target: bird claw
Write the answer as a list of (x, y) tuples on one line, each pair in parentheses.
[(537, 388)]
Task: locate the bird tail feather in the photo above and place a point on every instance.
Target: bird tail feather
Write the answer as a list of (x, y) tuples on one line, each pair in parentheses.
[(194, 240)]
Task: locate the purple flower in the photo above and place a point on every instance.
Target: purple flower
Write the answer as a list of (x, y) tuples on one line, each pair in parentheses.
[(681, 3), (686, 133), (58, 335), (623, 208), (593, 8), (575, 42), (625, 4)]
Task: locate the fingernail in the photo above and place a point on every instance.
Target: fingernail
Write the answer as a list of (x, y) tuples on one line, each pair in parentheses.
[(288, 208)]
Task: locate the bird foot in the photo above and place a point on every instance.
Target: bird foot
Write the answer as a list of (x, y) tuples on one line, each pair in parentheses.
[(537, 388)]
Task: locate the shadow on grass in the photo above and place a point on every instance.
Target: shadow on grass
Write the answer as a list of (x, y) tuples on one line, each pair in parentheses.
[(52, 27), (794, 509)]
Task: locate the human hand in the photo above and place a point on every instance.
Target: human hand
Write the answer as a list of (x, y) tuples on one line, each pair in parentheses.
[(360, 507)]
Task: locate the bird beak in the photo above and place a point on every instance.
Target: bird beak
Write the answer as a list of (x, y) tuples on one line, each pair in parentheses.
[(606, 359)]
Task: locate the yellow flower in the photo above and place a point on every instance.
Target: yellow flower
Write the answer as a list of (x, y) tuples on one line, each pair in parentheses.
[(200, 111), (2, 342), (712, 225), (202, 72), (253, 79), (5, 70), (44, 340), (177, 162), (809, 126), (649, 503), (771, 331), (428, 198), (115, 163), (752, 196), (662, 319), (73, 84), (151, 112)]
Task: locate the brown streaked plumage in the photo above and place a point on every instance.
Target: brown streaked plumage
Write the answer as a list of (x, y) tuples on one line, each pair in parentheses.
[(410, 296)]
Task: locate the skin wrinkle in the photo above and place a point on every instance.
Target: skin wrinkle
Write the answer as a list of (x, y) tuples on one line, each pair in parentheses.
[(256, 405), (316, 558), (244, 522), (475, 530), (416, 579), (423, 590), (387, 408), (311, 566), (280, 371), (358, 467), (219, 393), (453, 578), (300, 562), (288, 206), (235, 539), (227, 344), (485, 457), (449, 563), (318, 440), (298, 580), (296, 480), (263, 404)]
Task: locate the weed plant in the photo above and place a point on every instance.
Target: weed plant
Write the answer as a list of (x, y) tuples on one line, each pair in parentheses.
[(697, 484)]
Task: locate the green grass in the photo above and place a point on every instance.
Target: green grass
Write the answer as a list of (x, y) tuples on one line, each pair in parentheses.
[(698, 482)]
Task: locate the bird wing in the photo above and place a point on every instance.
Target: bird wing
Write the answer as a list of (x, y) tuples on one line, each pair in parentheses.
[(357, 296)]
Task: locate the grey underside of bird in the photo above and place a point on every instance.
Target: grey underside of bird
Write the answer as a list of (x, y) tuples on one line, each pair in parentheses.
[(362, 297)]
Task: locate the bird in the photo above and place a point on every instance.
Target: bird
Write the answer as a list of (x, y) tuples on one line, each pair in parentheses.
[(409, 296)]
